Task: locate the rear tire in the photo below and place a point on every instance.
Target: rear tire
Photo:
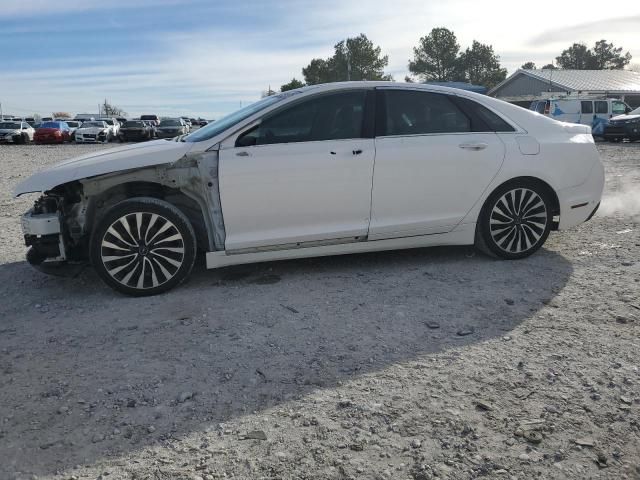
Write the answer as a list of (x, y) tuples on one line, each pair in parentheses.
[(143, 246), (515, 220)]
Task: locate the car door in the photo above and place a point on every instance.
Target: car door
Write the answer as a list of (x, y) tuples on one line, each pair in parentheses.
[(301, 176), (600, 117), (586, 112), (435, 157)]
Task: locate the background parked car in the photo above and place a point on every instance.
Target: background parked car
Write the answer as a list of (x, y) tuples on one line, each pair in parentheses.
[(96, 131), (135, 131), (121, 121), (113, 124), (73, 126), (52, 132), (187, 122), (154, 127), (624, 126), (151, 118), (172, 127), (16, 132)]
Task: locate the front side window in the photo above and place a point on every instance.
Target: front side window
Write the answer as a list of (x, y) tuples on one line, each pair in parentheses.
[(417, 113), (335, 116), (602, 107), (228, 121), (586, 107)]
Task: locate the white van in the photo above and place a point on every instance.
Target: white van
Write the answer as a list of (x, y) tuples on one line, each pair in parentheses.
[(595, 112)]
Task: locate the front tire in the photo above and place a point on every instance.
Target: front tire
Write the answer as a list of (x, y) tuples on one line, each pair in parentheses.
[(515, 221), (143, 246)]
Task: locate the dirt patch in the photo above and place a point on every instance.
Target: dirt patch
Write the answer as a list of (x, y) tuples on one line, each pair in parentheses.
[(431, 363)]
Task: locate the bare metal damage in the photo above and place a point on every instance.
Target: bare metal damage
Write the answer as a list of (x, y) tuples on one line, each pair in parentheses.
[(194, 175), (190, 183)]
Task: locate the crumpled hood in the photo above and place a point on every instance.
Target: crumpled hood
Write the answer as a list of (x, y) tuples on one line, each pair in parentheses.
[(103, 162)]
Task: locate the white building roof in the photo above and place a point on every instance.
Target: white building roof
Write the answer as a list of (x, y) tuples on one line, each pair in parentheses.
[(600, 81)]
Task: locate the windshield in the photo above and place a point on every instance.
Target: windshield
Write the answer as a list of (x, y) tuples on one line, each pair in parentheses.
[(13, 126), (170, 123), (213, 129), (134, 124), (73, 124), (93, 124), (148, 117), (618, 108)]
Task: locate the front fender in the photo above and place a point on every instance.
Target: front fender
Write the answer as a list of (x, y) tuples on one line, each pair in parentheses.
[(130, 157)]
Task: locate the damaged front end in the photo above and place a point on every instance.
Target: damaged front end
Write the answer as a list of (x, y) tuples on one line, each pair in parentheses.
[(52, 232)]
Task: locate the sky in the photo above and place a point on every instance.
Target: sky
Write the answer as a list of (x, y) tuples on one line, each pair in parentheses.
[(206, 58)]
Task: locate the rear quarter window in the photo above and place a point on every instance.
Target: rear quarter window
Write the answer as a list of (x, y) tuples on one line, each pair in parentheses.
[(483, 119)]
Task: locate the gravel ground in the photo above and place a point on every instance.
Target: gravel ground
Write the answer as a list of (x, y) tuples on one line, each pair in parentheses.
[(433, 363)]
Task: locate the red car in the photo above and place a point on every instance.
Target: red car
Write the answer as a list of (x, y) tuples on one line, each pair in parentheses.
[(52, 132)]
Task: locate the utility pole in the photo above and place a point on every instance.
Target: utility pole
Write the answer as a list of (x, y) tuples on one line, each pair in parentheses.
[(1, 116)]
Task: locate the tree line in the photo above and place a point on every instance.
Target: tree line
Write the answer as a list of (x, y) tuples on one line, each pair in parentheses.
[(603, 56), (438, 57)]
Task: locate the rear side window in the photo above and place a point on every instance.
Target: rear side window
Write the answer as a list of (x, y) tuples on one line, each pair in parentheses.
[(586, 107), (417, 113), (602, 107), (328, 117), (483, 119)]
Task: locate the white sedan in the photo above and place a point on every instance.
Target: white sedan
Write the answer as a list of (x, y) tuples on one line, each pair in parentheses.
[(16, 131), (96, 131), (322, 170)]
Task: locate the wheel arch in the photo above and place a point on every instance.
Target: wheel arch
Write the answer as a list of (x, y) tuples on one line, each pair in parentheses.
[(191, 207), (547, 189)]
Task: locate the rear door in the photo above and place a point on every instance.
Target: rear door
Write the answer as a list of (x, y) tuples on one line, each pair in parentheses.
[(434, 158), (586, 112)]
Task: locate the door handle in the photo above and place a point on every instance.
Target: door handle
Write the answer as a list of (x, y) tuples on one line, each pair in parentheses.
[(357, 152), (473, 146), (242, 154)]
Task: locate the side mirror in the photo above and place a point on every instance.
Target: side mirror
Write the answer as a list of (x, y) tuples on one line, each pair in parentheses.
[(246, 141), (627, 110)]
